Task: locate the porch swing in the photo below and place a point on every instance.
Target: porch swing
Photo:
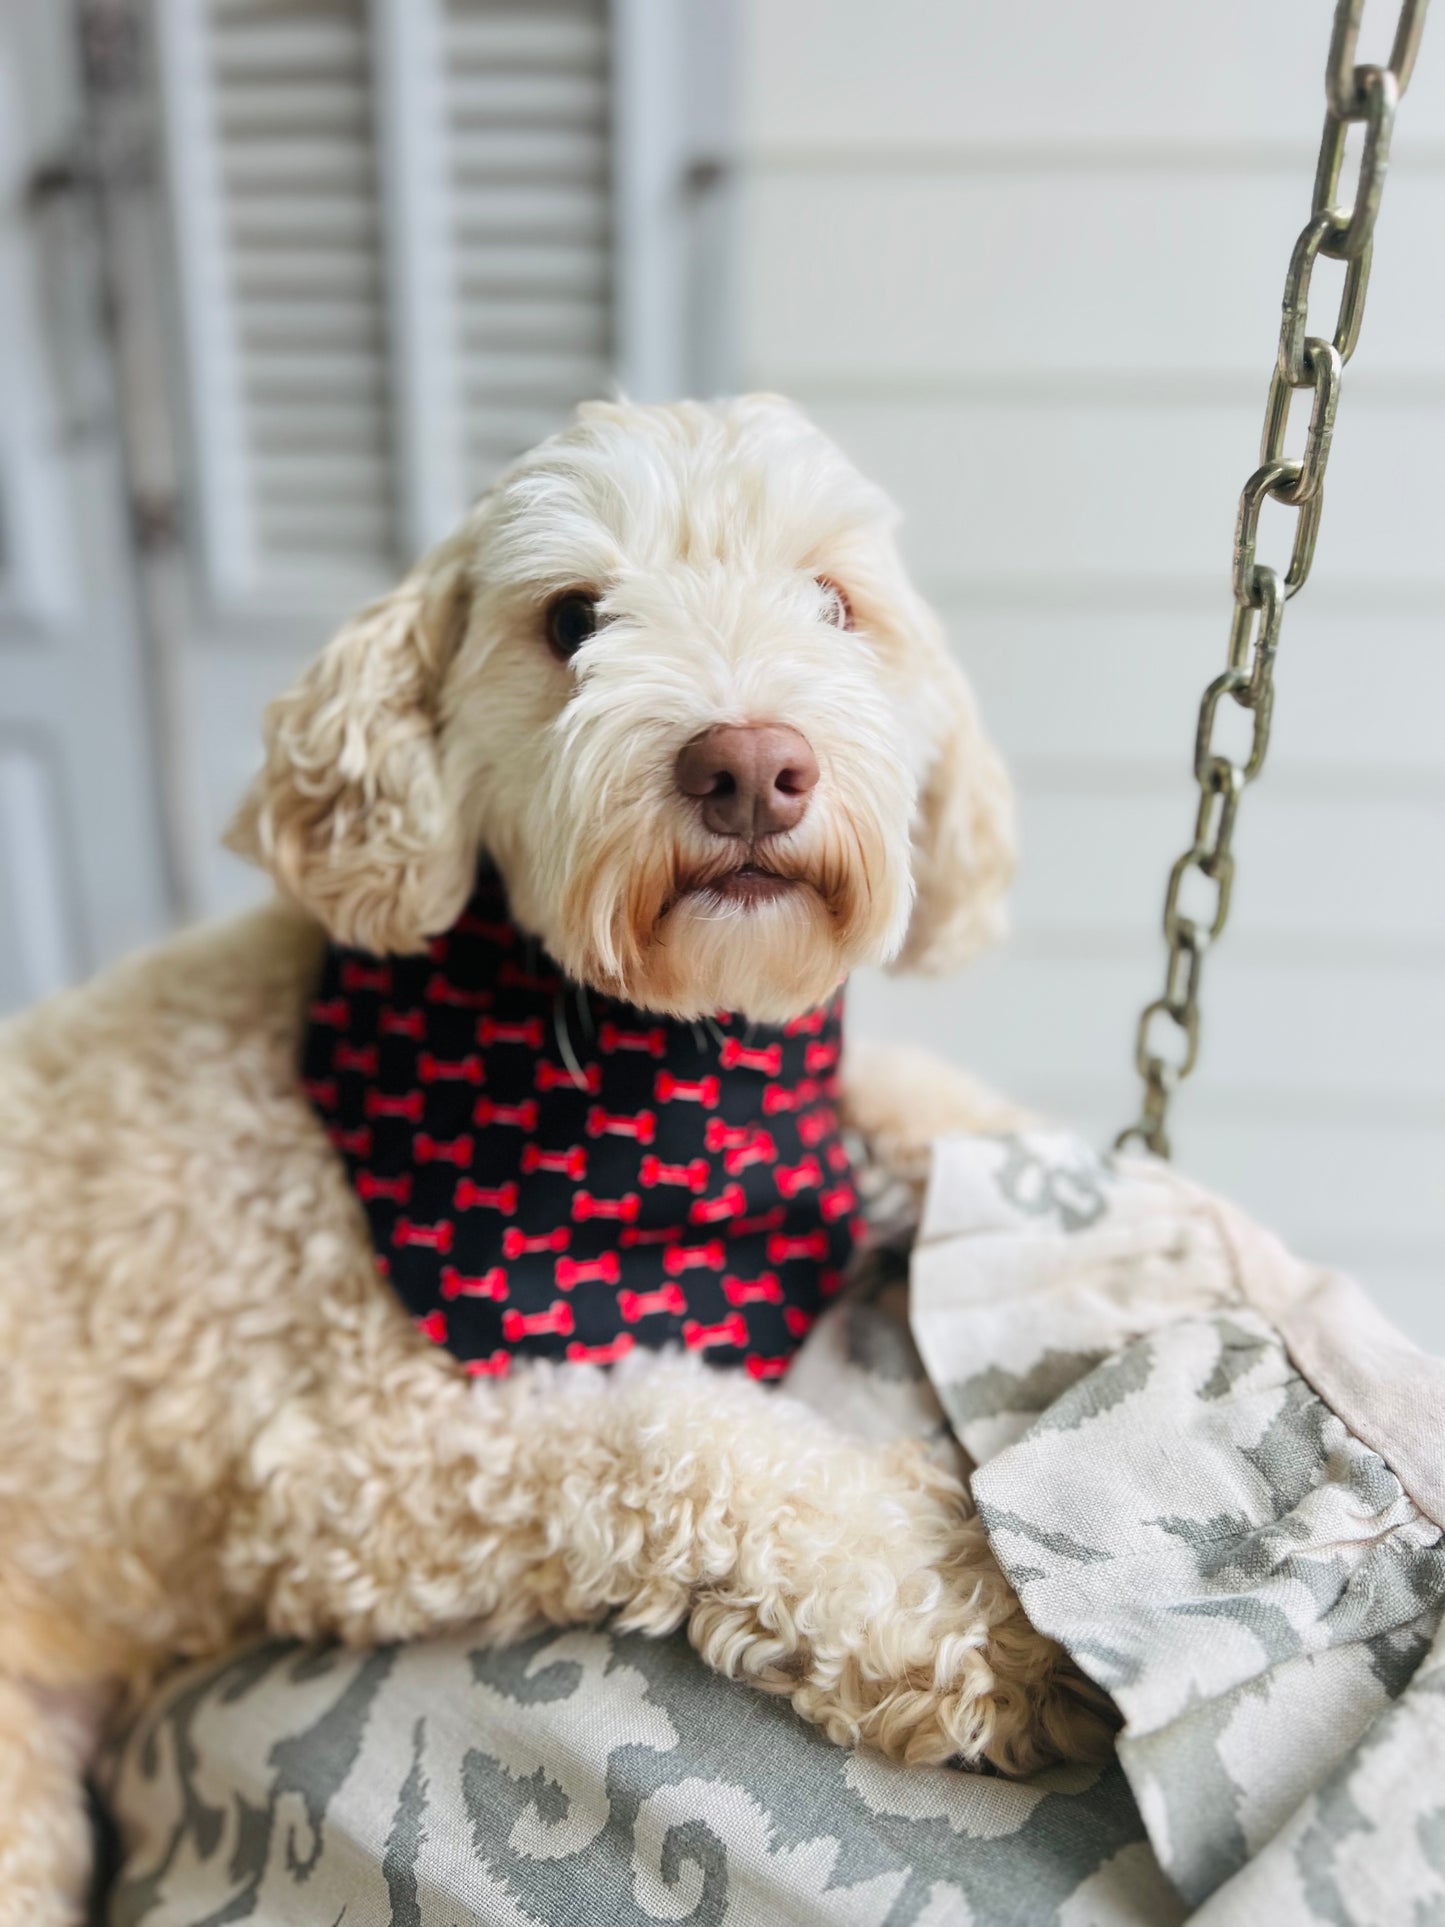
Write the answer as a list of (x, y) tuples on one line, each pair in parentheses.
[(1211, 1471)]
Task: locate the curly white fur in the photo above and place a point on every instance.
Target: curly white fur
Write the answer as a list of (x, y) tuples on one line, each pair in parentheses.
[(213, 1417)]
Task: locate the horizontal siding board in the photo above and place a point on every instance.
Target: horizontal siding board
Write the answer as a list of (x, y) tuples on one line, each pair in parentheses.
[(1359, 693), (970, 275), (819, 71), (1035, 1024), (1313, 866), (1061, 491)]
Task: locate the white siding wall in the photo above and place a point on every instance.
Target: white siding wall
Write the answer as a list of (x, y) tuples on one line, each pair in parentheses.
[(1025, 261)]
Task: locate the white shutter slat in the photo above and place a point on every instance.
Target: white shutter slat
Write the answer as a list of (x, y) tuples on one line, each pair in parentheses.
[(487, 99), (567, 38), (323, 105), (529, 175), (254, 42), (542, 150), (578, 272)]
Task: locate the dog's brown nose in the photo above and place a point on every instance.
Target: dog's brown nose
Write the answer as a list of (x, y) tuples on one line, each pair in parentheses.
[(752, 779)]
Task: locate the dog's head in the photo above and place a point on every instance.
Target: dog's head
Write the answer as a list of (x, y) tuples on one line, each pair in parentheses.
[(671, 675)]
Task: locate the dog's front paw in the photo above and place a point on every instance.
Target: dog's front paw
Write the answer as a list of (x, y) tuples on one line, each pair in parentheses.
[(902, 1635)]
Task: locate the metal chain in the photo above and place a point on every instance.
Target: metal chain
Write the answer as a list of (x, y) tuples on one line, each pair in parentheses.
[(1342, 232)]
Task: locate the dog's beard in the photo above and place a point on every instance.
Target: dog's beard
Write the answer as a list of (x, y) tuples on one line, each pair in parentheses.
[(767, 932)]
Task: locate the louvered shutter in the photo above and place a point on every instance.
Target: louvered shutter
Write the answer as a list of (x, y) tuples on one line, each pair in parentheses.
[(280, 252), (380, 313), (527, 92)]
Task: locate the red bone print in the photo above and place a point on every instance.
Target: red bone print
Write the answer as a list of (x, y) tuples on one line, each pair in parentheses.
[(727, 1204), (499, 933), (694, 1175), (837, 1156), (403, 1023), (768, 1221), (440, 991), (735, 1056), (691, 1257), (830, 1283), (814, 1126), (624, 1209), (701, 1090), (369, 1185), (322, 1092), (496, 1365), (434, 1327), (568, 1164), (491, 1284), (359, 976), (809, 1025), (516, 978), (759, 1149), (523, 1115), (471, 1196), (554, 1077), (793, 1178), (778, 1098), (818, 1058), (798, 1321), (764, 1290), (492, 1030), (437, 1237), (461, 1070), (643, 1126), (812, 1244), (520, 1324), (838, 1202), (336, 1014), (656, 1235), (356, 1144), (606, 1270), (580, 1354), (516, 1244), (354, 1057), (611, 1039), (438, 1150), (726, 1137), (378, 1104), (733, 1330), (644, 1304), (757, 1367)]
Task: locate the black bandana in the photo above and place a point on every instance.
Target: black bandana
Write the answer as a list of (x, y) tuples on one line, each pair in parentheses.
[(550, 1173)]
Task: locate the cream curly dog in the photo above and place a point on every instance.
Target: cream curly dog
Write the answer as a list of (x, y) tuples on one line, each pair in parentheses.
[(216, 1418)]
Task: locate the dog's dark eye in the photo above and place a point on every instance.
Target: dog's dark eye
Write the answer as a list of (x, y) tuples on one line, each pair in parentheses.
[(571, 621), (837, 609)]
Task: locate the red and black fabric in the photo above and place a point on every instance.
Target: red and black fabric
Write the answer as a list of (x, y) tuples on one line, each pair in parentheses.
[(550, 1173)]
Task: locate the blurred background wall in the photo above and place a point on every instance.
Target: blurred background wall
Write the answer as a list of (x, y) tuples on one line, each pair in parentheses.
[(284, 282)]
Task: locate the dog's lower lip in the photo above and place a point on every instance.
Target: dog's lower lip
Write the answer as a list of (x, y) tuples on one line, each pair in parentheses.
[(749, 883)]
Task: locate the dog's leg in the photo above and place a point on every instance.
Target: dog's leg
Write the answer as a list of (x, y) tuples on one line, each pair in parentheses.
[(900, 1099), (852, 1580), (45, 1839)]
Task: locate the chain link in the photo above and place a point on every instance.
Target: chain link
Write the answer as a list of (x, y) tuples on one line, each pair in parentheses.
[(1196, 906)]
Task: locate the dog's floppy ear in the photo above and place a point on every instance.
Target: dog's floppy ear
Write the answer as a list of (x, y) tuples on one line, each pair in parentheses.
[(963, 835), (349, 813)]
